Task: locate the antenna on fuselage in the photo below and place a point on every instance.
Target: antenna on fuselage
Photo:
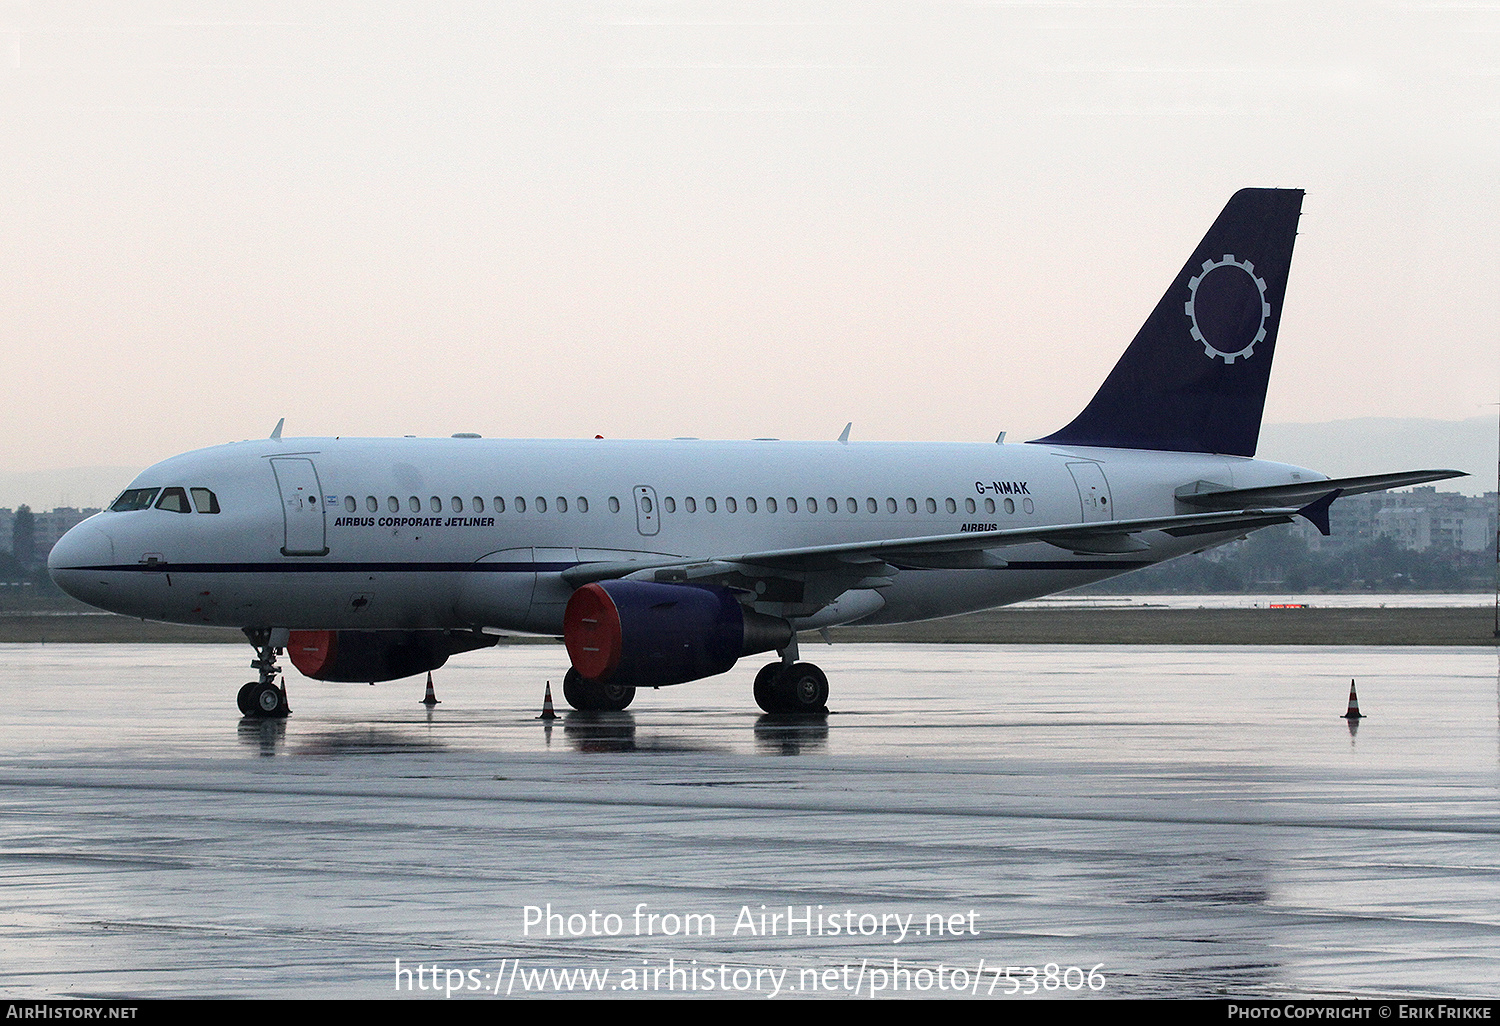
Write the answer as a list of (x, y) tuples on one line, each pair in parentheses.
[(276, 431), (844, 436)]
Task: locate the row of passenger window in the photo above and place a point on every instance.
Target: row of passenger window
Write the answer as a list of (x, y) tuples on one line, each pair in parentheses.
[(831, 505), (174, 500), (476, 504), (561, 504)]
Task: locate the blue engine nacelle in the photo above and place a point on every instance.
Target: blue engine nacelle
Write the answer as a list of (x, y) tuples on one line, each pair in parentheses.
[(642, 634)]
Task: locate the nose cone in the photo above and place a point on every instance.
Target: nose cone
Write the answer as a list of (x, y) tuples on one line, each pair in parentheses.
[(78, 563)]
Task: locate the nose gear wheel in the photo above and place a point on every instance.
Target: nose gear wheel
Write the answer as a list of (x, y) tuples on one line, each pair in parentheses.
[(263, 698)]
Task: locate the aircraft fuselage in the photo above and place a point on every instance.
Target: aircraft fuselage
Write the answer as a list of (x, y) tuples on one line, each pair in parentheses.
[(384, 534)]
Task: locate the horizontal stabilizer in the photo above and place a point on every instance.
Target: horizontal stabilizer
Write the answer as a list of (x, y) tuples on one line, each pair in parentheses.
[(1303, 492)]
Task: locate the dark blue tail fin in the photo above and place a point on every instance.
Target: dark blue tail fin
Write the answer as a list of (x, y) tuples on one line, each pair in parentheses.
[(1194, 379)]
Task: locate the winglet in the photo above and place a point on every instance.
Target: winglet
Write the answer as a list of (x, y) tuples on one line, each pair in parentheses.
[(844, 436), (276, 431), (1316, 513)]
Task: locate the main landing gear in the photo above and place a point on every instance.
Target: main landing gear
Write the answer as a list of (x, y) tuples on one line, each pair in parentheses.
[(263, 698), (588, 696), (782, 688), (792, 688)]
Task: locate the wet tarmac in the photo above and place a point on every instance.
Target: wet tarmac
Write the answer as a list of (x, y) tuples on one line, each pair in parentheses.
[(1112, 821)]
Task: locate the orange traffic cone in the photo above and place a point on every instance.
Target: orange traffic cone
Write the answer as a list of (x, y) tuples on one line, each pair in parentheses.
[(1353, 713), (547, 713), (432, 698)]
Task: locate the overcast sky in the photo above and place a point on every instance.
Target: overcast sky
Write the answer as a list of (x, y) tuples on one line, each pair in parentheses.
[(642, 218)]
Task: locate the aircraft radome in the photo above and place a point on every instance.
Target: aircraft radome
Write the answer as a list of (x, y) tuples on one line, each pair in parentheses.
[(663, 562)]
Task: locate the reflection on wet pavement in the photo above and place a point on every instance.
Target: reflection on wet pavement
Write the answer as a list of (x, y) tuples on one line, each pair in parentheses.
[(1198, 821)]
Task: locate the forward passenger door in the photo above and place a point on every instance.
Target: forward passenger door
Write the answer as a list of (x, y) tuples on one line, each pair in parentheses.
[(306, 532)]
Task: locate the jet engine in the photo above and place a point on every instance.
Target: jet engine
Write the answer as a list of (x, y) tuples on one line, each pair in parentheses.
[(642, 634), (368, 656)]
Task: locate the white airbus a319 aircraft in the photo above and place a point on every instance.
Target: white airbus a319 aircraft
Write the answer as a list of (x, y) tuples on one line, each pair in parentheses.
[(662, 562)]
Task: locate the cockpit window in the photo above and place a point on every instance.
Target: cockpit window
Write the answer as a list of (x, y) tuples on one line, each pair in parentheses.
[(133, 498), (205, 500), (174, 499)]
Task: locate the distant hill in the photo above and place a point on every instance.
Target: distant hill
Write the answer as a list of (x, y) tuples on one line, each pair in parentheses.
[(1339, 448)]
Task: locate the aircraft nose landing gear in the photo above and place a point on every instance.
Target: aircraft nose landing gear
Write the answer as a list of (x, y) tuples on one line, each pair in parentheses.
[(264, 699)]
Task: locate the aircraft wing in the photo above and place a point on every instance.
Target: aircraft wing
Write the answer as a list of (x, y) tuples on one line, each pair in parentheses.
[(871, 564), (809, 577)]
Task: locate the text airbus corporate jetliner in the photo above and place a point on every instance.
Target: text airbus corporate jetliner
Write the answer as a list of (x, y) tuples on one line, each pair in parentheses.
[(661, 562)]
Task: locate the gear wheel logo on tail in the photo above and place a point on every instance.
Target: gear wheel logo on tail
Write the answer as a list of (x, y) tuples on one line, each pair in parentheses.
[(1228, 310)]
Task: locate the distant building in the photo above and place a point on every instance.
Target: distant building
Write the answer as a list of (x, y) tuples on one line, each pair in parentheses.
[(7, 529), (1420, 519), (52, 525)]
